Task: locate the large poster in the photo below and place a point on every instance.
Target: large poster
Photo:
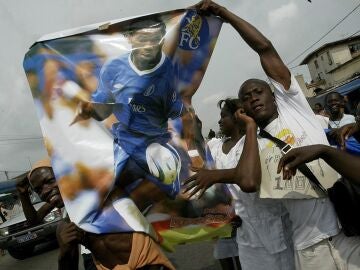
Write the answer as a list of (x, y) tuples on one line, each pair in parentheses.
[(114, 104)]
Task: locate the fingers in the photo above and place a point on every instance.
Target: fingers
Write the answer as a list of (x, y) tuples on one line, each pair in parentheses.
[(285, 160), (289, 170), (288, 173), (194, 191), (190, 179), (287, 165), (189, 187)]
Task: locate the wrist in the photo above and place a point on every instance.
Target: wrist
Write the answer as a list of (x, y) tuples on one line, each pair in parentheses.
[(251, 126), (220, 11), (324, 150)]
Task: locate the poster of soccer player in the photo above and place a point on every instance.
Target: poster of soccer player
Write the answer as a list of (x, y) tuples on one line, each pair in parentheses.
[(114, 104)]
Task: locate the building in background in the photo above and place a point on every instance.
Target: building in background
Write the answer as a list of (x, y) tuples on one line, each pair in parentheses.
[(334, 62), (335, 66)]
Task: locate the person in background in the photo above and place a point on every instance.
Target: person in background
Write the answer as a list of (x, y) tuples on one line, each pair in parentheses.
[(211, 134), (321, 115), (335, 105), (42, 180), (114, 249)]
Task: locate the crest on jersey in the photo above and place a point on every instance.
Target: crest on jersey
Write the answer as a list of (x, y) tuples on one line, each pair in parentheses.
[(149, 91), (194, 31)]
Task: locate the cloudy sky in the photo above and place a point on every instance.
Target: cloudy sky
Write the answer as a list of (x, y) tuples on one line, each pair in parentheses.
[(292, 26)]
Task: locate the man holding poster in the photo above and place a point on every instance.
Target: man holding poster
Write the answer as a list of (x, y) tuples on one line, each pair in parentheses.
[(285, 114)]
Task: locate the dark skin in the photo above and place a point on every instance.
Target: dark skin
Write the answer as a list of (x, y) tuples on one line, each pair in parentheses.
[(32, 216), (114, 249), (110, 249), (258, 102), (68, 237), (346, 131), (38, 177), (44, 184), (335, 104), (247, 179), (345, 164), (230, 128)]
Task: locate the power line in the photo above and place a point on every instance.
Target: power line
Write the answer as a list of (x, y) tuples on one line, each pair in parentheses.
[(22, 139), (331, 29)]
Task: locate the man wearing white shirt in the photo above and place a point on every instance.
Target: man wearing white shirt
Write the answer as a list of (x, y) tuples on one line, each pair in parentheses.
[(335, 104), (285, 114)]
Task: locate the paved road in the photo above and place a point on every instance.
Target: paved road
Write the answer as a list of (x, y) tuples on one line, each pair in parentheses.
[(187, 257)]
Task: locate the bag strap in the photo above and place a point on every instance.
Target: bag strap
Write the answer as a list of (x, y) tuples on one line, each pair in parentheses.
[(303, 168)]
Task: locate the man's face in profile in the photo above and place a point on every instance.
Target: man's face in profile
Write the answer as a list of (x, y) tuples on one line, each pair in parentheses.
[(146, 44), (44, 184)]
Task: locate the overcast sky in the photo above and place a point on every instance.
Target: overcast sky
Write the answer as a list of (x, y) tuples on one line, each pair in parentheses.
[(292, 26)]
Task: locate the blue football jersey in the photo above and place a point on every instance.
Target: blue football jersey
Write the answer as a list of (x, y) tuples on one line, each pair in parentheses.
[(143, 100)]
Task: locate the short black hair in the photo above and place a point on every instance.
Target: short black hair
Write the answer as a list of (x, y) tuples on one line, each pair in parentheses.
[(333, 93), (231, 104), (152, 22), (253, 80)]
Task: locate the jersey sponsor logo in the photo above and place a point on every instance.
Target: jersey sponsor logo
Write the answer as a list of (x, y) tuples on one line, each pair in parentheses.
[(138, 108), (194, 31), (149, 91)]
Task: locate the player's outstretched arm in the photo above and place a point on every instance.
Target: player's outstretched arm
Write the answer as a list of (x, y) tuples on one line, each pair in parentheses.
[(87, 110)]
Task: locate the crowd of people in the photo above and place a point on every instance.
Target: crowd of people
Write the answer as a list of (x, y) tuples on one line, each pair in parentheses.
[(274, 233)]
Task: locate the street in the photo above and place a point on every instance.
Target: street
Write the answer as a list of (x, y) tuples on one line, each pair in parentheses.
[(187, 257)]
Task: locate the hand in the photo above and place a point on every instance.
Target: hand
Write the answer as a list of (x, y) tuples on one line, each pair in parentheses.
[(69, 236), (23, 185), (241, 116), (84, 111), (207, 6), (345, 132), (297, 156), (200, 181)]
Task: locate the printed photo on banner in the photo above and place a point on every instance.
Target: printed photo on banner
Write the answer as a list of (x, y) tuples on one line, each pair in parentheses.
[(114, 105)]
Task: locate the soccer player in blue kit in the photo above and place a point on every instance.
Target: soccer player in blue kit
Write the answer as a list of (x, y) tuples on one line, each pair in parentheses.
[(138, 88)]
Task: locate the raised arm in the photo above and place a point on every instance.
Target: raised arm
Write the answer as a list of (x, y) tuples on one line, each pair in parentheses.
[(32, 216), (248, 169), (345, 164), (87, 110), (271, 62)]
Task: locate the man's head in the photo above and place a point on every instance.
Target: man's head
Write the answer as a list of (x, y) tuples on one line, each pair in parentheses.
[(258, 101), (334, 103), (227, 122), (318, 108), (43, 182), (147, 39)]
